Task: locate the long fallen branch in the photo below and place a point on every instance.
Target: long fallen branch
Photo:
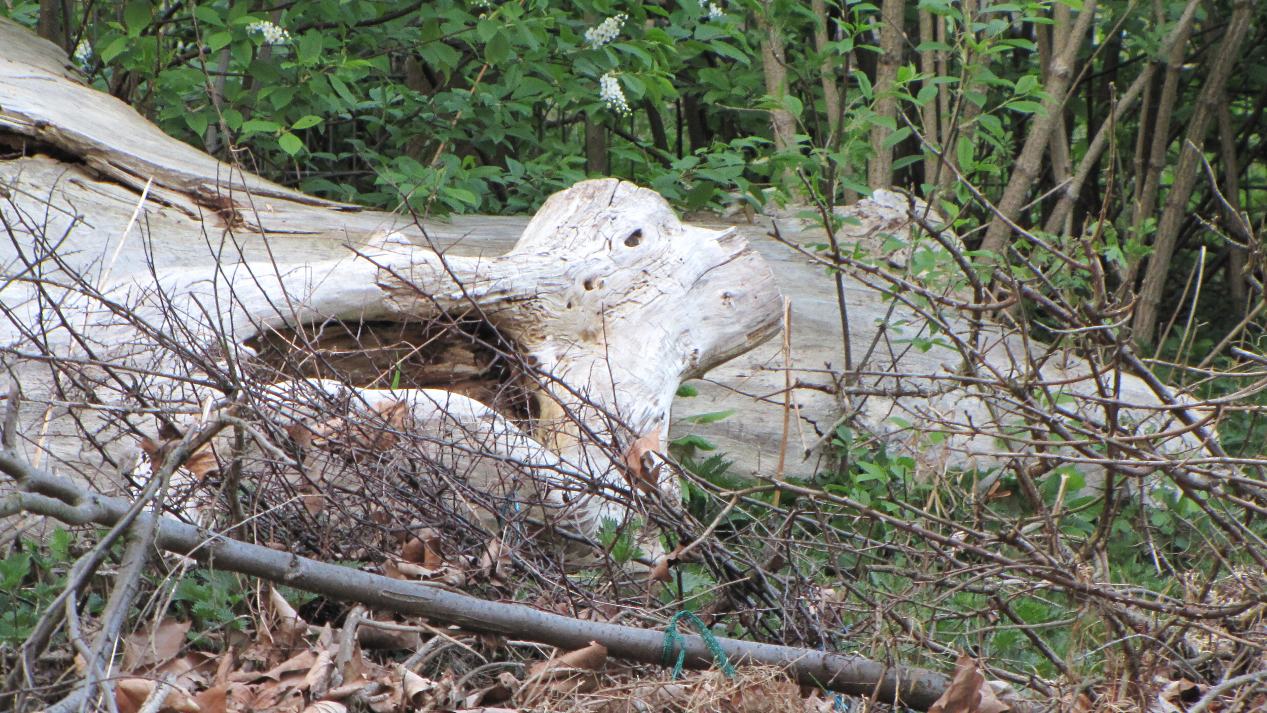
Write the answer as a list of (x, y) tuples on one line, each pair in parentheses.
[(46, 494)]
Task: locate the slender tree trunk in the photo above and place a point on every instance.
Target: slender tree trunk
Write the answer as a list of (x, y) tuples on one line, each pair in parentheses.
[(827, 70), (659, 136), (1140, 160), (51, 24), (1187, 171), (1029, 162), (774, 67), (213, 138), (416, 79), (1141, 85), (892, 32), (595, 148), (928, 113), (1236, 222), (1058, 145), (696, 124), (962, 111), (1161, 127)]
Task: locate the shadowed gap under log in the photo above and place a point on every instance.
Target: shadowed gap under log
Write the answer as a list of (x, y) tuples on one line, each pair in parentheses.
[(457, 353)]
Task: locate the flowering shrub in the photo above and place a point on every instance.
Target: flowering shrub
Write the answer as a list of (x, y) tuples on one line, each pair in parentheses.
[(612, 95), (271, 33), (605, 32)]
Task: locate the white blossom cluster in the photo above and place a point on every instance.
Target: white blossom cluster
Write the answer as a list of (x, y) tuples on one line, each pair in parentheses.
[(273, 35), (605, 31), (612, 95), (715, 11), (82, 54)]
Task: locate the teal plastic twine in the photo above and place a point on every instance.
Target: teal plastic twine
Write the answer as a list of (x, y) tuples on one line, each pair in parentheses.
[(673, 639)]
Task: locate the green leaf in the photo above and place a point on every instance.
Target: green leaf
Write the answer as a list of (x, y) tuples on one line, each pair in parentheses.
[(497, 50), (693, 441), (114, 49), (1025, 107), (486, 29), (260, 126), (305, 122), (137, 16), (308, 48), (727, 50), (872, 471), (637, 88), (197, 122), (342, 90), (896, 137), (13, 569), (1026, 84), (687, 391), (208, 15), (793, 105), (711, 417), (290, 143), (59, 545), (462, 195), (232, 118), (219, 40)]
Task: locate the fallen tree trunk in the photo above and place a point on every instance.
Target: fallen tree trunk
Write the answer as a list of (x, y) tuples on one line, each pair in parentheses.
[(60, 498)]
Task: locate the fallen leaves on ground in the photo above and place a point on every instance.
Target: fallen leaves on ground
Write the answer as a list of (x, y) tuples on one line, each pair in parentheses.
[(968, 692)]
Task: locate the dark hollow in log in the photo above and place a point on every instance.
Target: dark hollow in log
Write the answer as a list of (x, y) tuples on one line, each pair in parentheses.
[(458, 353)]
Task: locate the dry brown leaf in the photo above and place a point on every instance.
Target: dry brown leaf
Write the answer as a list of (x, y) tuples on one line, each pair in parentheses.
[(1175, 694), (314, 503), (384, 639), (280, 632), (495, 562), (317, 680), (643, 476), (424, 549), (290, 625), (414, 551), (990, 702), (569, 673), (415, 690), (376, 433), (300, 434), (190, 671), (963, 695), (302, 661), (590, 658), (154, 645), (213, 700), (347, 689), (131, 693), (326, 707), (281, 608), (660, 572), (202, 462), (392, 570)]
